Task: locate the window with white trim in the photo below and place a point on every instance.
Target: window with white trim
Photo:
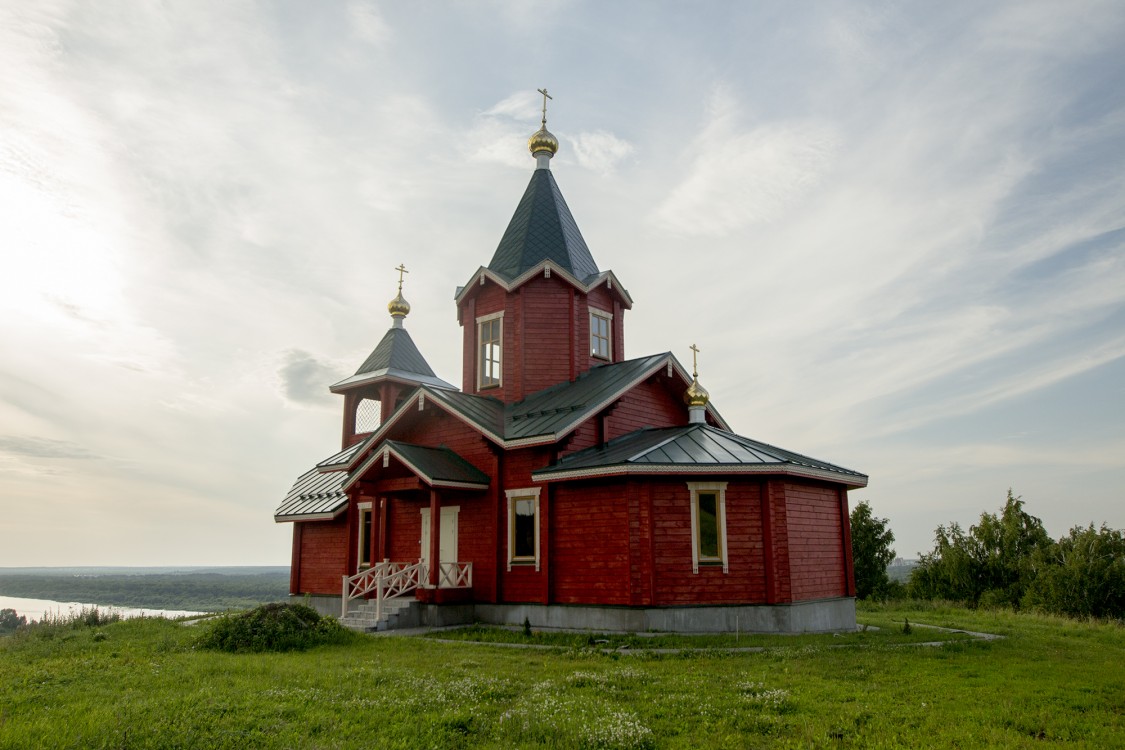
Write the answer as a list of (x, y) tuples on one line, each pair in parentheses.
[(708, 525), (601, 336), (523, 527), (363, 554), (490, 334)]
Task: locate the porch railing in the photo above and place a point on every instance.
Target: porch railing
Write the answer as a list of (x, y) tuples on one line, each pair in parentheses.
[(391, 579), (455, 575)]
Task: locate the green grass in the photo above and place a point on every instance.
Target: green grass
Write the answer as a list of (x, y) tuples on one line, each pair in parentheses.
[(140, 684)]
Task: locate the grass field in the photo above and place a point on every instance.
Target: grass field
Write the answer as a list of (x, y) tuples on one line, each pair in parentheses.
[(140, 684)]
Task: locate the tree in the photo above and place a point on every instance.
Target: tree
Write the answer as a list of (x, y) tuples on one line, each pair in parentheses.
[(871, 552), (993, 564), (1082, 576), (11, 621)]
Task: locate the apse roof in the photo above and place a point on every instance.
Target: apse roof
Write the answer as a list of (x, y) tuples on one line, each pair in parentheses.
[(693, 448), (396, 356), (542, 228)]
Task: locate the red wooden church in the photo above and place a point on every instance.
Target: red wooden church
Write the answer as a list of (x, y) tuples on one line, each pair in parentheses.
[(562, 483)]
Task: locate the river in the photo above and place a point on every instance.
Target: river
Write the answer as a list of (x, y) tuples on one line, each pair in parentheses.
[(34, 609)]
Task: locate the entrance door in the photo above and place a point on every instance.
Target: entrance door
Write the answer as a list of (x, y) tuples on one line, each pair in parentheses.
[(448, 539)]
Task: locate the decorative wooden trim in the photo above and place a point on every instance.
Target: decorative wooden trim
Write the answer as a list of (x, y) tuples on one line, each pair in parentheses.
[(512, 496), (720, 488)]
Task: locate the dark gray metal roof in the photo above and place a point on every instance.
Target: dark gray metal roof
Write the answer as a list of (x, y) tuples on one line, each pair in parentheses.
[(437, 467), (554, 411), (694, 448), (396, 356), (315, 496), (340, 460), (542, 228)]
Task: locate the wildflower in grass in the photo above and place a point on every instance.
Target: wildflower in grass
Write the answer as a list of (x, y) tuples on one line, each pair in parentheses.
[(617, 730), (757, 692)]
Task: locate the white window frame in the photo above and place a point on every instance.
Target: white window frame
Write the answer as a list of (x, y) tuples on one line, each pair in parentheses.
[(608, 316), (513, 496), (719, 488), (364, 509), (480, 352)]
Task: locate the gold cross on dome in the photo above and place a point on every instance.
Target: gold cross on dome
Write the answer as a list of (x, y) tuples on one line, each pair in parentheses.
[(694, 362), (546, 96), (401, 270)]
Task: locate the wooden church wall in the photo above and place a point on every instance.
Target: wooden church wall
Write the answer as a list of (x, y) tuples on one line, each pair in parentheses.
[(675, 583), (323, 551), (523, 583), (816, 548), (650, 404), (590, 548), (547, 327)]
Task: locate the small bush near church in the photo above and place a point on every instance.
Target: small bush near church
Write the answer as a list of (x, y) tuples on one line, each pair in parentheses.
[(272, 627)]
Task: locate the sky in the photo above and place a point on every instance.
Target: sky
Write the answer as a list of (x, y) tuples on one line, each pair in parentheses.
[(896, 231)]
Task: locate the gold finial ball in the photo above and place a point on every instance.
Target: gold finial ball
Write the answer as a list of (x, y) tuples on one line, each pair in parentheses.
[(696, 394), (543, 140), (398, 307)]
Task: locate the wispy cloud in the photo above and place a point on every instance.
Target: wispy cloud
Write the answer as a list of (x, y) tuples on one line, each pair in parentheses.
[(740, 176)]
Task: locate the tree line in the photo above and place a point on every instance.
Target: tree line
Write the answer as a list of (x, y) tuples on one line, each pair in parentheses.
[(1006, 559)]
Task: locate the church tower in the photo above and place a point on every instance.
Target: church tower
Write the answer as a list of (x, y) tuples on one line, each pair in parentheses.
[(392, 370), (541, 312)]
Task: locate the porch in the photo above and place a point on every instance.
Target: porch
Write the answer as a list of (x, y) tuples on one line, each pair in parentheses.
[(375, 598)]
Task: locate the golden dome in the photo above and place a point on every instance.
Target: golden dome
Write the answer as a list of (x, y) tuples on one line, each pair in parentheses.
[(543, 140), (696, 395), (398, 307)]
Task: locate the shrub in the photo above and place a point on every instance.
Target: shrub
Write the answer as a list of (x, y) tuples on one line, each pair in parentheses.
[(271, 627)]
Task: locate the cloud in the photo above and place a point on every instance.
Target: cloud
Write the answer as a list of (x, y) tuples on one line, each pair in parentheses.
[(33, 447), (600, 151), (739, 177), (304, 379), (367, 24)]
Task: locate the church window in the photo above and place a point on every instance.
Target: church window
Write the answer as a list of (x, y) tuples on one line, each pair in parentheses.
[(523, 527), (708, 524), (490, 333), (601, 340)]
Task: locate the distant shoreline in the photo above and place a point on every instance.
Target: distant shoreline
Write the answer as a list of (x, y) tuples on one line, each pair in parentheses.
[(181, 588)]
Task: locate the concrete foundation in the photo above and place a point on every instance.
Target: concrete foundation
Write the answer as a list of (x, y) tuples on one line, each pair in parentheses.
[(819, 616)]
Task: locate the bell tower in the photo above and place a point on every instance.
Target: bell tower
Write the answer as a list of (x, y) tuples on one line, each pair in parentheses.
[(541, 312)]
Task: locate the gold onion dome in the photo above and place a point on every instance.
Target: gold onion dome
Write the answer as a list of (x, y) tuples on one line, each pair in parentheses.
[(543, 140), (696, 394), (398, 307)]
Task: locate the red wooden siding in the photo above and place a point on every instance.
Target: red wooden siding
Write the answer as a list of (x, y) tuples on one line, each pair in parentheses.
[(323, 556), (816, 550), (591, 544), (675, 583), (650, 404), (546, 334)]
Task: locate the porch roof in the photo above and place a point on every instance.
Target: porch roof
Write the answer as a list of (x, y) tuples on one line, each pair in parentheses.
[(315, 496), (437, 467), (692, 449)]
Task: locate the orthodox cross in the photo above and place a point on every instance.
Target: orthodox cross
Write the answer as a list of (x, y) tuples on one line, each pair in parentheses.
[(694, 363), (401, 270), (546, 96)]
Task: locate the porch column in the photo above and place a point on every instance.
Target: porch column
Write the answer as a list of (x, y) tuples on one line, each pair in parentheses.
[(435, 537)]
